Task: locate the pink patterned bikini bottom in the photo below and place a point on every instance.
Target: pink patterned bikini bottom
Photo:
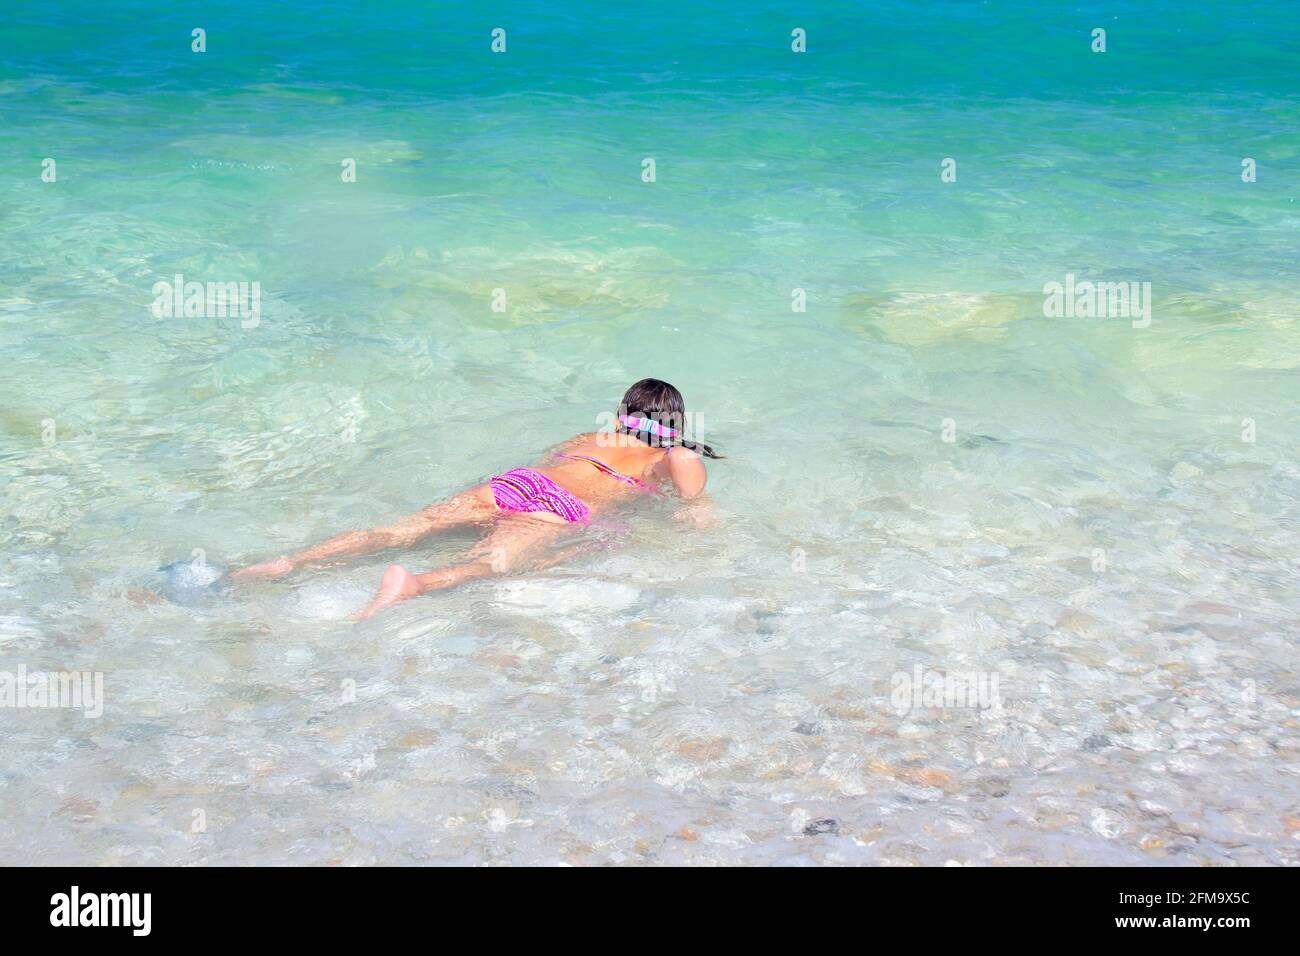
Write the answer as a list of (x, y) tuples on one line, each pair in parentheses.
[(524, 490)]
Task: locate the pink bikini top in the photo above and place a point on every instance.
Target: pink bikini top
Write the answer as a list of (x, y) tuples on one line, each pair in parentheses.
[(617, 475)]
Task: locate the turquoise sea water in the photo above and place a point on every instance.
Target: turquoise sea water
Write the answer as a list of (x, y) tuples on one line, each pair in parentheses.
[(1111, 530)]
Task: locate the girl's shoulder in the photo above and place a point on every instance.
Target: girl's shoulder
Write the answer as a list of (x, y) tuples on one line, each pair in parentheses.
[(684, 468)]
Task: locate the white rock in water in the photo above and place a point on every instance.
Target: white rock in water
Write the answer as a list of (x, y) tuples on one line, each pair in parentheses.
[(568, 596), (327, 602), (1106, 823), (1183, 470), (192, 575), (191, 583)]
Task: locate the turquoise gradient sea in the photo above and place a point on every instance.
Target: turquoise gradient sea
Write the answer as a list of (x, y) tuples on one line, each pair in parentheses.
[(927, 477)]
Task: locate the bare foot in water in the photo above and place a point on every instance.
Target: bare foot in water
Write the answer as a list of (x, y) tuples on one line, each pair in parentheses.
[(398, 584), (267, 569)]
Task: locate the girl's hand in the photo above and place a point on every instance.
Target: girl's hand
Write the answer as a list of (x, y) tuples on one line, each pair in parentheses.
[(267, 569), (697, 514)]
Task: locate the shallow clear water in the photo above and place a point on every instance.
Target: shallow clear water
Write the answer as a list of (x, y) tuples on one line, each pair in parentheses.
[(1097, 535)]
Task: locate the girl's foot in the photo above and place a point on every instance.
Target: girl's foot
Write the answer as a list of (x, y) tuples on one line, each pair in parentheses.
[(398, 584), (267, 569)]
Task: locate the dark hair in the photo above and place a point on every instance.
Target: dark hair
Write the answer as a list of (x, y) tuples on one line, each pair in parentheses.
[(660, 402)]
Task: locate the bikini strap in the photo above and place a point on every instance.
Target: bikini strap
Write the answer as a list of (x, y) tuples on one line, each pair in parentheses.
[(601, 466)]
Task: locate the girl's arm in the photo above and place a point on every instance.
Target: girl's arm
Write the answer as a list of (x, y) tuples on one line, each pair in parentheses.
[(686, 469)]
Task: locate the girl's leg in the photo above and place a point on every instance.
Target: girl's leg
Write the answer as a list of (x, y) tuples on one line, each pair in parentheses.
[(474, 506), (514, 541)]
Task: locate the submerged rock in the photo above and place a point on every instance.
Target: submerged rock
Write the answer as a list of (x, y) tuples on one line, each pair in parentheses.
[(192, 582), (820, 827), (1096, 742), (996, 787)]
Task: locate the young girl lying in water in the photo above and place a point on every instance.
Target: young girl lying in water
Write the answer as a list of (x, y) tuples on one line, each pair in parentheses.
[(530, 508)]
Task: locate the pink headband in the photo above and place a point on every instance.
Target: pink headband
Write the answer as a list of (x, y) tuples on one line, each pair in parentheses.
[(648, 425)]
